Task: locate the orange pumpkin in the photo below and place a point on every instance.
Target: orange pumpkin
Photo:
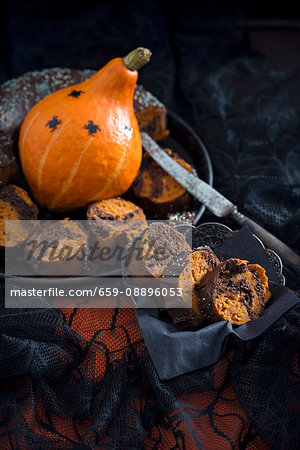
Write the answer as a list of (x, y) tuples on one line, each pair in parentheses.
[(82, 143)]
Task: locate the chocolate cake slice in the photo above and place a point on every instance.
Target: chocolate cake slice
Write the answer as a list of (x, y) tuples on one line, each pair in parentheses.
[(198, 264), (188, 270), (114, 209), (114, 223), (151, 114), (155, 190), (19, 95), (15, 205), (153, 249), (234, 290), (57, 248)]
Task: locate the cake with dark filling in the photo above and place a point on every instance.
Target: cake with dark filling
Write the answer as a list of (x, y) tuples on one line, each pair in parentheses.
[(15, 205), (151, 114), (113, 224), (153, 249), (233, 290), (57, 248), (156, 191), (189, 269), (20, 94), (114, 209)]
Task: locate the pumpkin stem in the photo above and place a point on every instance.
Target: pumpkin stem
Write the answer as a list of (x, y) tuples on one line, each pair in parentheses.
[(137, 58)]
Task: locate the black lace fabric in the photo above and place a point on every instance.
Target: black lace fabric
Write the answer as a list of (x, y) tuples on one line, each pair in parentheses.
[(83, 379)]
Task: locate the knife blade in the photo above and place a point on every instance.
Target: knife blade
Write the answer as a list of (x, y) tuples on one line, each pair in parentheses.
[(219, 205)]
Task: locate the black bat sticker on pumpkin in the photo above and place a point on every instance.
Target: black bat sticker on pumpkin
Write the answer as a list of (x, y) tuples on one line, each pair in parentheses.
[(52, 124), (91, 127), (75, 93)]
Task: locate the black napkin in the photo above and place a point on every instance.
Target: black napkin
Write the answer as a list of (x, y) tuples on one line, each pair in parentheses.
[(176, 352)]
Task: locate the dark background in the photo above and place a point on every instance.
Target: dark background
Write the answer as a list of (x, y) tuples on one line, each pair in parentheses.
[(230, 69), (36, 33)]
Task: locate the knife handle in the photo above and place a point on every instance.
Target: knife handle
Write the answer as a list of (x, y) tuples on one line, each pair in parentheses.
[(269, 240)]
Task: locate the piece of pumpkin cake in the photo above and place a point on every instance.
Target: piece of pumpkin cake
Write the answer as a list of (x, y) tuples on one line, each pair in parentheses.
[(155, 190), (188, 269), (15, 205), (114, 223), (58, 248), (153, 249), (234, 290), (151, 114)]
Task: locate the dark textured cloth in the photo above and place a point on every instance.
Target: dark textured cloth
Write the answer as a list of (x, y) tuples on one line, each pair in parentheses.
[(83, 378)]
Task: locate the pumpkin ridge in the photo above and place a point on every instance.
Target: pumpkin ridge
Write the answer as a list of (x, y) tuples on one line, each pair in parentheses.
[(45, 155), (105, 187), (57, 99), (72, 174), (117, 172), (28, 127)]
